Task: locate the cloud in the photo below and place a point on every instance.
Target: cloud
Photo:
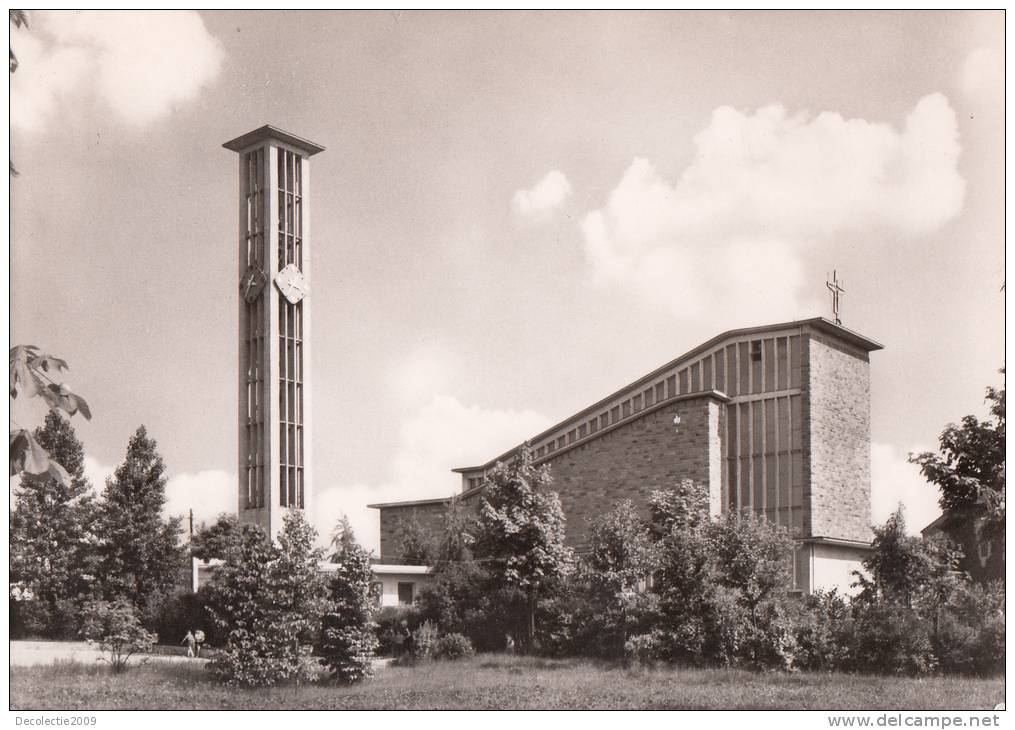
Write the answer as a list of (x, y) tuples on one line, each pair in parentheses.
[(138, 63), (96, 472), (539, 201), (983, 74), (761, 190), (441, 435), (208, 493), (894, 480), (426, 370)]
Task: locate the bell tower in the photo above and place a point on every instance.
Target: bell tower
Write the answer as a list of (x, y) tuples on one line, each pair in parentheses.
[(274, 325)]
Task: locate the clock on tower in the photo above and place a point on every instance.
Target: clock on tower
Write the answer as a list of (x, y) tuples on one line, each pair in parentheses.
[(274, 325)]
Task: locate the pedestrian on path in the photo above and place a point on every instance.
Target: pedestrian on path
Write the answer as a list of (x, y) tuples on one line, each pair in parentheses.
[(191, 641)]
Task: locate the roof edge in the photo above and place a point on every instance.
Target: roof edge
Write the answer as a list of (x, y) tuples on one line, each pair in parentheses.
[(269, 132), (820, 323)]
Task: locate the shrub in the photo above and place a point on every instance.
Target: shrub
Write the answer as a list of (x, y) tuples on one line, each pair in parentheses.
[(560, 620), (116, 631), (388, 623), (823, 631), (646, 648), (267, 601), (969, 636), (423, 641), (891, 639), (452, 646), (179, 613)]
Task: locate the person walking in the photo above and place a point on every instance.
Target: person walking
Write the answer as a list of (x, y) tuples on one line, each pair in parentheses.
[(191, 641), (198, 642)]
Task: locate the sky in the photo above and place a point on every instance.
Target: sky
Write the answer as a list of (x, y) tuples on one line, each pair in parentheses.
[(516, 214)]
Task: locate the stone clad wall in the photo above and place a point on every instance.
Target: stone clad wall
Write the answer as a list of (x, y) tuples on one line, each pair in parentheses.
[(837, 440)]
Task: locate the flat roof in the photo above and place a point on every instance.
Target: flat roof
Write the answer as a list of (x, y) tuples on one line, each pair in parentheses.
[(269, 132)]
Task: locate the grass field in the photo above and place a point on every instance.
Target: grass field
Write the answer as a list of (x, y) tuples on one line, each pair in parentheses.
[(498, 682)]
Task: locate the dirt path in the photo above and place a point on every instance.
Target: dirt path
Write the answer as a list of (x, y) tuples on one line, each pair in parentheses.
[(36, 653)]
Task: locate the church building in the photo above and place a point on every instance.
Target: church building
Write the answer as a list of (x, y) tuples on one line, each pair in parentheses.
[(775, 419)]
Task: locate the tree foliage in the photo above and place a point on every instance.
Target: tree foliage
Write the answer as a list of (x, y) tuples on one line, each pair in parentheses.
[(906, 570), (348, 641), (141, 557), (217, 539), (969, 470), (52, 537), (621, 556), (521, 530), (267, 600), (30, 371), (418, 544)]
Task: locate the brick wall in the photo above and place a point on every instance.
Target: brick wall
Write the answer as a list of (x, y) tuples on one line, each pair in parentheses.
[(631, 461), (837, 440), (428, 515)]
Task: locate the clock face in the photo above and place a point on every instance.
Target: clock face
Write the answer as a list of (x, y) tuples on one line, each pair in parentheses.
[(291, 283), (252, 282)]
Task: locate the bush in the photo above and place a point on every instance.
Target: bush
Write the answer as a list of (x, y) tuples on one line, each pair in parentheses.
[(423, 641), (891, 639), (823, 632), (388, 625), (452, 646), (647, 648), (970, 637), (267, 601), (182, 612), (116, 631)]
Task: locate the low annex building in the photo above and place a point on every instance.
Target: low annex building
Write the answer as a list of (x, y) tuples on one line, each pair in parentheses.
[(775, 419)]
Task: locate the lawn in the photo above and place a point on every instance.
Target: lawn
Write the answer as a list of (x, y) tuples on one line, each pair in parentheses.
[(498, 682)]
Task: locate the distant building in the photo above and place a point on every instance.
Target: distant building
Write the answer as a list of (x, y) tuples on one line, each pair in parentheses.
[(982, 556), (775, 419)]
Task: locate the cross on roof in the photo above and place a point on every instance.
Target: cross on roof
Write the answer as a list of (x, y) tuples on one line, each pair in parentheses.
[(835, 286)]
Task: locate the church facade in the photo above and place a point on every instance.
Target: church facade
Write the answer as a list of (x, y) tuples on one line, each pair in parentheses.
[(773, 419)]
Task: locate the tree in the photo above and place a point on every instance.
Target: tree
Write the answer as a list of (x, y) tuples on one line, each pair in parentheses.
[(897, 610), (348, 641), (685, 579), (521, 531), (18, 18), (621, 555), (969, 471), (418, 545), (51, 535), (905, 570), (751, 611), (267, 601), (215, 541), (141, 556), (458, 525)]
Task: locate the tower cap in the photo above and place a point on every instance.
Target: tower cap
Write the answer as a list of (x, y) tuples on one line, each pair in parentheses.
[(269, 132)]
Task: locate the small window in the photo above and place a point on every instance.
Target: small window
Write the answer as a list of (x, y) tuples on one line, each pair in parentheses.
[(405, 591), (756, 350)]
